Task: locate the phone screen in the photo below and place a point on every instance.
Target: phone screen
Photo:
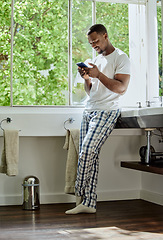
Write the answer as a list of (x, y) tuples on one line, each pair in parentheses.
[(82, 65)]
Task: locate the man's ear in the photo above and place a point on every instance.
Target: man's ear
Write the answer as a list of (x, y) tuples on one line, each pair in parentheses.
[(105, 35)]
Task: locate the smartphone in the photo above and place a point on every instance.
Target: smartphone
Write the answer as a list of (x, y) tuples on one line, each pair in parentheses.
[(81, 64)]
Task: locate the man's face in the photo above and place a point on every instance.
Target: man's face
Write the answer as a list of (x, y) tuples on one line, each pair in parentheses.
[(98, 41)]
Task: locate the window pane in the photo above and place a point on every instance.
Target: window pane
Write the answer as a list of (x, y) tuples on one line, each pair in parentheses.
[(81, 21), (115, 18), (5, 49), (160, 48), (40, 67)]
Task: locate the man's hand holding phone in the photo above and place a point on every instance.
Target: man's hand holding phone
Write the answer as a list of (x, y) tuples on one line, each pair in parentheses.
[(83, 70), (87, 72)]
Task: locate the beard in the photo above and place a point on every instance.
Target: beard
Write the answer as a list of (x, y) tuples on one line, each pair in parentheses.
[(99, 50)]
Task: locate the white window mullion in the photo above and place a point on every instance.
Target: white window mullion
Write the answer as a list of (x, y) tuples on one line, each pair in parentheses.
[(70, 52), (162, 32), (93, 22), (12, 40), (93, 12)]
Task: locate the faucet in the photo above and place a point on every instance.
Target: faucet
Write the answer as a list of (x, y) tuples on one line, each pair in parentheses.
[(148, 103), (139, 104), (152, 103), (161, 100)]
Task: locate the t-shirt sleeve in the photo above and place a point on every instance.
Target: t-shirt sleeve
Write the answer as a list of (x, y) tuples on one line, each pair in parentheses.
[(123, 65)]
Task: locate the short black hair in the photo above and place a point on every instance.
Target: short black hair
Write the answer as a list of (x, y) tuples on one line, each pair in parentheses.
[(99, 28)]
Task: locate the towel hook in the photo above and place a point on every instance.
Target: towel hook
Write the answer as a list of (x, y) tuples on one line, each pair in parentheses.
[(8, 120), (70, 120)]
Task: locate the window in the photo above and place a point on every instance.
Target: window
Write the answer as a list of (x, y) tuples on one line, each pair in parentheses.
[(113, 16), (39, 52), (40, 49), (81, 21)]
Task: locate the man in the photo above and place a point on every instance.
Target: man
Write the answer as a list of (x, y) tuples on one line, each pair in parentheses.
[(106, 79)]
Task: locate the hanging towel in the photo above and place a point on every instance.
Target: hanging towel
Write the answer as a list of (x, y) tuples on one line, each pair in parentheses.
[(10, 153), (72, 145)]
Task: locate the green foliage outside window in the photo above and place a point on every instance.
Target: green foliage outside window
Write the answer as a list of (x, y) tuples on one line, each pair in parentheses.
[(115, 18), (40, 52), (40, 47)]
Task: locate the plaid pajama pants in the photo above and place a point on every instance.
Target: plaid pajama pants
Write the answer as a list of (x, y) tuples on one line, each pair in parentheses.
[(95, 128)]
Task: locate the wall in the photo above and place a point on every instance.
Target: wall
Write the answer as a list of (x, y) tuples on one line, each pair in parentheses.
[(152, 189), (42, 138), (45, 158)]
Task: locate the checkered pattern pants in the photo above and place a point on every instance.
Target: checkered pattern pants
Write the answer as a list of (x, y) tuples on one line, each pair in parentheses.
[(95, 128)]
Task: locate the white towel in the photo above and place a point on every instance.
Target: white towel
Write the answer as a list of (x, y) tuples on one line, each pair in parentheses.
[(72, 145), (10, 153)]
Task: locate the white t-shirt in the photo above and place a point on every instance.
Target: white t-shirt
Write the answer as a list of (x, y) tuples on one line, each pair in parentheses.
[(101, 98)]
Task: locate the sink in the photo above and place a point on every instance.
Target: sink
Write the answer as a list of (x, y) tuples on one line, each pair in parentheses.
[(148, 117)]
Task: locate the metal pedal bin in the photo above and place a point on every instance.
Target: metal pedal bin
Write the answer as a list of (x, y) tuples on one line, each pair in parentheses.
[(31, 193)]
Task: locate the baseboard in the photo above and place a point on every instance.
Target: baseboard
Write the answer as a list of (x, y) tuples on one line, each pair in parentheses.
[(102, 196), (66, 198), (10, 200), (151, 197), (118, 195)]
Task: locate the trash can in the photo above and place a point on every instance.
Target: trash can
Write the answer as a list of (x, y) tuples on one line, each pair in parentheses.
[(31, 193)]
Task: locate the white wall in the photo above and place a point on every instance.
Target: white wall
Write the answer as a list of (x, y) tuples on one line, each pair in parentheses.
[(42, 138), (45, 158), (152, 189)]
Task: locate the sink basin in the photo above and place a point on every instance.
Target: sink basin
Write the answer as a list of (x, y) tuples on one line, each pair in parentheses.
[(149, 117)]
